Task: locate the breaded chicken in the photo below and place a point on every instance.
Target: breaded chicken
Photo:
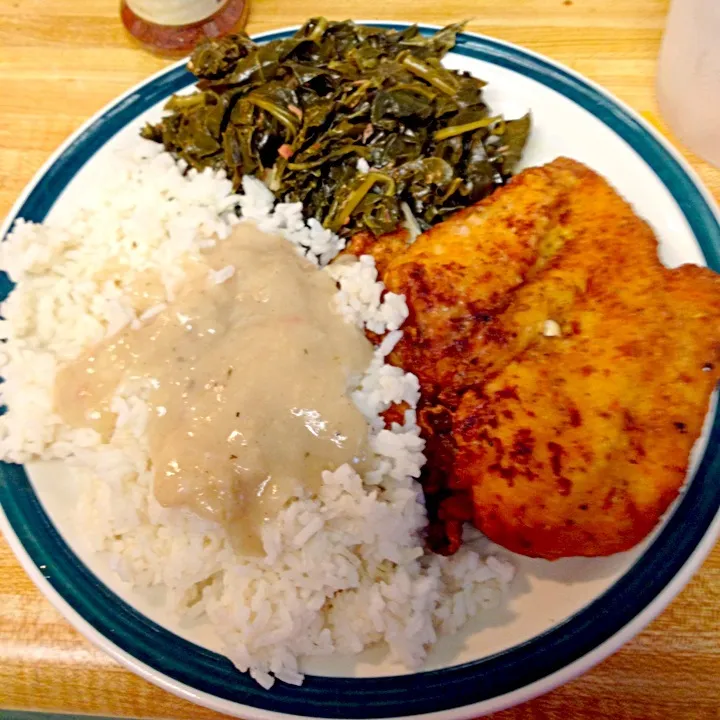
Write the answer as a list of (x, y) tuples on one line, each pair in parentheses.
[(580, 444), (458, 275), (569, 371), (383, 249)]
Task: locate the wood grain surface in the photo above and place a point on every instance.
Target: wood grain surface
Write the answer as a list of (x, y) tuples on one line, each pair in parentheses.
[(61, 61)]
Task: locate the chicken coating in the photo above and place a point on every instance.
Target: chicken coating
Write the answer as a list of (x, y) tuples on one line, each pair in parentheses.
[(459, 274), (383, 249), (566, 371), (580, 444)]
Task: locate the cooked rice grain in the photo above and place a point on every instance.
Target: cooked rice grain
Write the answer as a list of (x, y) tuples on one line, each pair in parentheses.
[(344, 569)]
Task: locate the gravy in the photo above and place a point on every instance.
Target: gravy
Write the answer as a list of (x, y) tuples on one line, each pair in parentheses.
[(248, 384)]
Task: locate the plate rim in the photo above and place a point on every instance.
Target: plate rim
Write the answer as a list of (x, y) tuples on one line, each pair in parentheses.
[(494, 703), (463, 712)]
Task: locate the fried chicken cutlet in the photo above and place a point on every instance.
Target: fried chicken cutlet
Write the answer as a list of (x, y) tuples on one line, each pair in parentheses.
[(567, 371), (459, 274)]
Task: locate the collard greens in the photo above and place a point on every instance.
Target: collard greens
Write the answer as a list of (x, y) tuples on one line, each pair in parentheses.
[(351, 121)]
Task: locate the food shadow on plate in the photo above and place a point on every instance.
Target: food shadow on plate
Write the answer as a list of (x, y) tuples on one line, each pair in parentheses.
[(543, 594)]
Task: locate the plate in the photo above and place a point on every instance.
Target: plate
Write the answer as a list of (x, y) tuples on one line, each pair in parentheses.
[(561, 617)]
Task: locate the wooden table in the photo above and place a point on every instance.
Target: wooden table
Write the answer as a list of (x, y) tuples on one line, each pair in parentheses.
[(60, 61)]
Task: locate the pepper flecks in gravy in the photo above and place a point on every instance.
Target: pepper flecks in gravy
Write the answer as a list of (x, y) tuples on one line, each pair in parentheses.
[(248, 384)]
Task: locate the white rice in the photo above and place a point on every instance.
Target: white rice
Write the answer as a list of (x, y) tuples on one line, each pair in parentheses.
[(344, 569), (360, 298)]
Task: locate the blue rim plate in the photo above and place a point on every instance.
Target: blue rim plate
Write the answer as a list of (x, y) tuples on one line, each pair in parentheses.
[(465, 690)]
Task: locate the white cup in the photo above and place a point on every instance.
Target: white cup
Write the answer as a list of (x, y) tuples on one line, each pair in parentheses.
[(688, 78)]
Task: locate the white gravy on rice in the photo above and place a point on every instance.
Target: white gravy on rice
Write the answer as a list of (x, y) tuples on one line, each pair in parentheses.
[(248, 377)]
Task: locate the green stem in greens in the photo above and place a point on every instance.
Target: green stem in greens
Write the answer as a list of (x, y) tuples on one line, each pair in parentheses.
[(453, 130), (318, 31), (332, 155), (285, 118), (345, 210), (430, 74)]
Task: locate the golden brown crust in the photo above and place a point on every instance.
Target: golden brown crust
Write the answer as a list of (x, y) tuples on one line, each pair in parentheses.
[(382, 248), (457, 276), (570, 445)]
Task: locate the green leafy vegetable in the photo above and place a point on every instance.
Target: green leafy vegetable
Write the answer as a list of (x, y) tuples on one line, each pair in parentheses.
[(362, 125)]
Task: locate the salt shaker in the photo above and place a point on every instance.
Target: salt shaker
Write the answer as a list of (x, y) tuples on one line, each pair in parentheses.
[(688, 78)]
